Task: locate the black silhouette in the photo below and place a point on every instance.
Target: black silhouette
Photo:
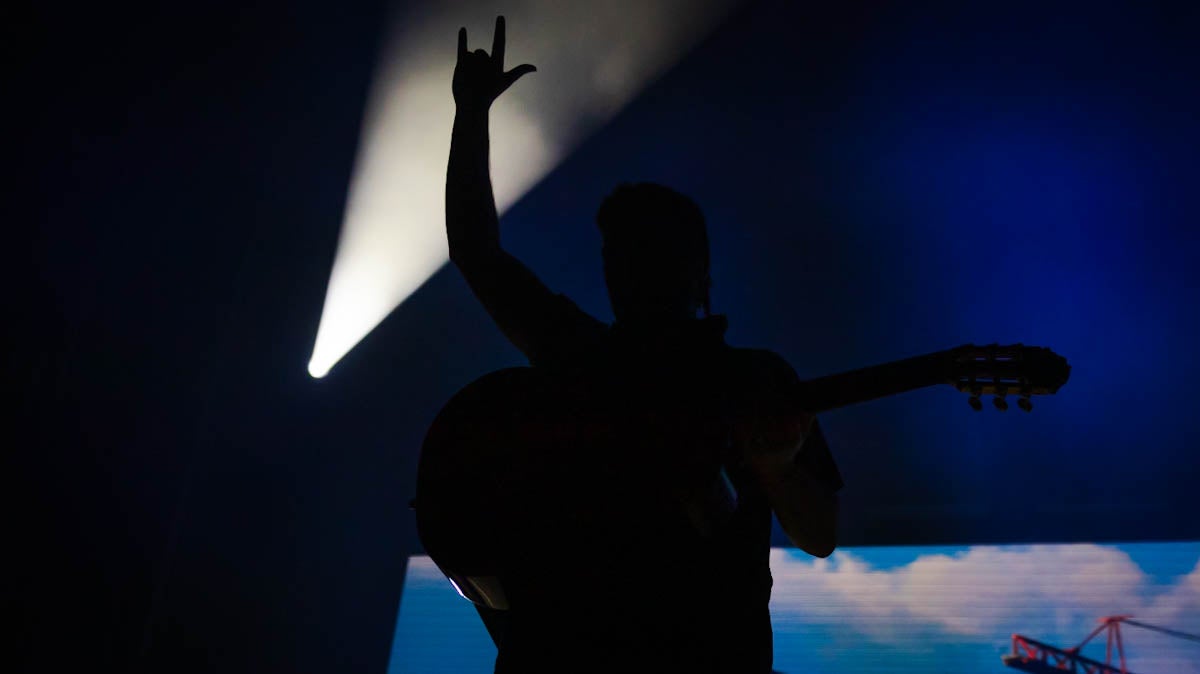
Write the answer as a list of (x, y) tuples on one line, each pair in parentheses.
[(609, 507), (651, 453)]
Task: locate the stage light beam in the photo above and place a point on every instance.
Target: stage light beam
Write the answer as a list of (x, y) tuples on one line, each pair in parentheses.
[(592, 59)]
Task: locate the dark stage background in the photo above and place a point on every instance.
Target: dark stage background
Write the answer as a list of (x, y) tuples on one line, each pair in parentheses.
[(880, 181)]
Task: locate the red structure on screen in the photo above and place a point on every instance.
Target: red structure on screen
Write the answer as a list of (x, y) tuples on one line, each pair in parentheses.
[(1030, 655)]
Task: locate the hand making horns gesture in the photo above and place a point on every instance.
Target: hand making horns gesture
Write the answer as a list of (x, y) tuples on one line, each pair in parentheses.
[(479, 78)]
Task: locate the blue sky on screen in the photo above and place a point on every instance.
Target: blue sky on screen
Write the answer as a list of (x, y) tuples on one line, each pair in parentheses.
[(902, 609)]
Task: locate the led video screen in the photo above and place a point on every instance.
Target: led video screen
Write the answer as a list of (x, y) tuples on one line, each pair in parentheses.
[(909, 609)]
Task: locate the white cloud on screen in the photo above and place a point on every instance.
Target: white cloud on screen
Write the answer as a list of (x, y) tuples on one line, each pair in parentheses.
[(1180, 606), (592, 60), (984, 594)]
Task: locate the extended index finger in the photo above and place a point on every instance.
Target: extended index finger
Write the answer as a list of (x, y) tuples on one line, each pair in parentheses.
[(498, 42), (462, 42)]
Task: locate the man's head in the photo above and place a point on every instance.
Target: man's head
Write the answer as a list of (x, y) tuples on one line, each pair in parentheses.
[(655, 254)]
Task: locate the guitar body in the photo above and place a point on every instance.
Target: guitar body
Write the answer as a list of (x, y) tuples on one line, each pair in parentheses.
[(522, 465), (495, 443)]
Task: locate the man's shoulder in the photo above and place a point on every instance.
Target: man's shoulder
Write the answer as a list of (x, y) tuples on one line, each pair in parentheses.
[(761, 364), (759, 377)]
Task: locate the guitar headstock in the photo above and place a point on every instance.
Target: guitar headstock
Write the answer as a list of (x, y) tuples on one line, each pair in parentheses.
[(1000, 371)]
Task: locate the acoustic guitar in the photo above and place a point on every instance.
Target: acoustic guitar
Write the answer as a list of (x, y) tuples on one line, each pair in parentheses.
[(506, 438)]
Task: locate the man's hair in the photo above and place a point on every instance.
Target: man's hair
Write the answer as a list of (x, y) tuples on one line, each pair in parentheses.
[(657, 220)]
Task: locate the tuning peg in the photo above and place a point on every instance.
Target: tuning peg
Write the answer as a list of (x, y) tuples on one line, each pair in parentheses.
[(975, 403), (1025, 404), (1000, 403)]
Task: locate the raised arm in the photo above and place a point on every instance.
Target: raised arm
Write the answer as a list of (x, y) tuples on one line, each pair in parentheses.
[(515, 298), (479, 78)]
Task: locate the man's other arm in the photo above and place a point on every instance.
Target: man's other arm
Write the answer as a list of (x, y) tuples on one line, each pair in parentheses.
[(806, 506), (787, 453)]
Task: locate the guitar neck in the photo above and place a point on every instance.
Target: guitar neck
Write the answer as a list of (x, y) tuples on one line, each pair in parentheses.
[(878, 381)]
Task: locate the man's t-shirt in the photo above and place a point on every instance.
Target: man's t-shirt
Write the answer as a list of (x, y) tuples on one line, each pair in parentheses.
[(642, 562)]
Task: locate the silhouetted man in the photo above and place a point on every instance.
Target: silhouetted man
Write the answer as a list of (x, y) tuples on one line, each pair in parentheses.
[(676, 578)]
